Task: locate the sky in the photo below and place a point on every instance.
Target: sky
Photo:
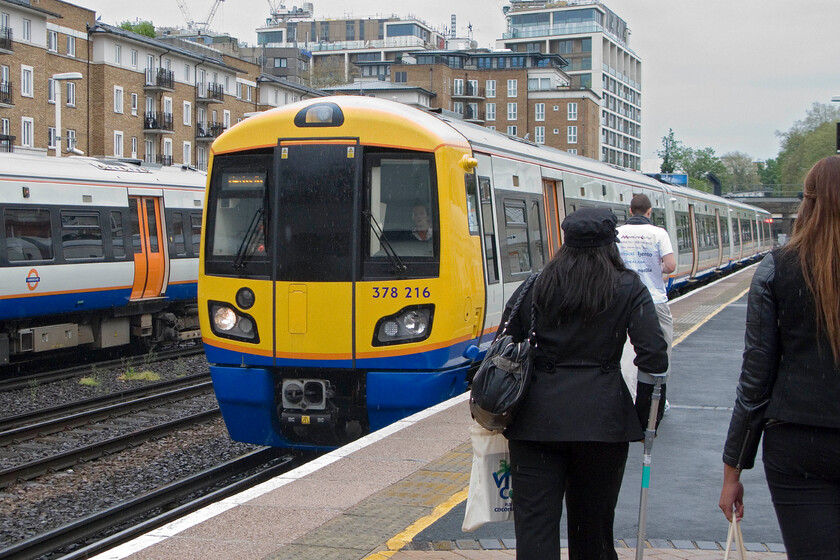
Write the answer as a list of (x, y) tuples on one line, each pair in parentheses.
[(721, 73)]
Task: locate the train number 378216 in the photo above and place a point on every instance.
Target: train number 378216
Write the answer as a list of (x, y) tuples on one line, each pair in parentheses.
[(407, 292)]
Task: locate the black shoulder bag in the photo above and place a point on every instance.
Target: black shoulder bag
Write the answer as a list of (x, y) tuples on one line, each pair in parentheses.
[(501, 381)]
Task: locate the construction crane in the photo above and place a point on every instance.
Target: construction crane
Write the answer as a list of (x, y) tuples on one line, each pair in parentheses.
[(198, 26)]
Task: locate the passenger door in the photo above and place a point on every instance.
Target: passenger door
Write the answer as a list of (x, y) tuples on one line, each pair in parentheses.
[(314, 216), (149, 258)]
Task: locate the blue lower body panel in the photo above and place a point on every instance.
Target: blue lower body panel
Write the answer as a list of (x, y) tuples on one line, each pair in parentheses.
[(247, 399), (392, 396)]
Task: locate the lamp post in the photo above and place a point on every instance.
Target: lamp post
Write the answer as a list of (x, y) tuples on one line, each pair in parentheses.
[(836, 99), (58, 78)]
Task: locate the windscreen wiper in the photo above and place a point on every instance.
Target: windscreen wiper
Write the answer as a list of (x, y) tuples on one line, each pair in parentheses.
[(396, 262), (250, 240)]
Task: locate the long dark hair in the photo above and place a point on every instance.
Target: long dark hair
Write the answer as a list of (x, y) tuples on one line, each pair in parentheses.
[(816, 237), (587, 279)]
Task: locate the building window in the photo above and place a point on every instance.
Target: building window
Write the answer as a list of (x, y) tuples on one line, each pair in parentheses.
[(572, 111), (71, 46), (27, 30), (71, 94), (133, 58), (490, 87), (539, 135), (491, 111), (572, 151), (248, 93), (511, 88), (134, 104), (511, 111), (26, 128), (187, 73), (457, 86), (51, 90), (118, 99), (571, 135), (225, 119), (187, 113), (239, 90), (52, 41), (458, 107), (118, 143), (187, 153), (51, 137), (511, 130), (280, 63), (134, 147), (5, 126), (117, 54), (539, 112), (401, 77), (71, 138), (25, 81)]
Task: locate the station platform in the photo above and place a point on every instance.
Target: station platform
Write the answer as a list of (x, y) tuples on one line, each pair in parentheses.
[(400, 492)]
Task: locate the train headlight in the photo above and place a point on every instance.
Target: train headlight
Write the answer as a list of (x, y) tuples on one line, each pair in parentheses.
[(228, 322), (410, 324), (224, 318), (415, 323)]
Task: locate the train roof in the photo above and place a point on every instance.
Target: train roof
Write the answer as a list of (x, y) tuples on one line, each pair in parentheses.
[(29, 166)]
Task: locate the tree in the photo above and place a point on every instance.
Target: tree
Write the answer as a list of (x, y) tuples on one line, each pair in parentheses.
[(146, 28), (741, 172), (807, 141), (768, 172), (328, 72), (696, 163), (670, 152)]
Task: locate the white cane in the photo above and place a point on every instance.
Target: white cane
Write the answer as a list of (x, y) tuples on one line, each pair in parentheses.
[(650, 432)]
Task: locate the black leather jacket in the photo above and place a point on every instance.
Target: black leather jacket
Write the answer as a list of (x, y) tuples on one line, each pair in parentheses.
[(788, 372)]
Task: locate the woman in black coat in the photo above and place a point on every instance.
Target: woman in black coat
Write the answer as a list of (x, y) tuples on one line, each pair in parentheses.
[(789, 388), (571, 436)]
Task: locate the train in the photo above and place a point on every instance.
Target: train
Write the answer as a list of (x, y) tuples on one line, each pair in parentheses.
[(96, 254), (357, 254)]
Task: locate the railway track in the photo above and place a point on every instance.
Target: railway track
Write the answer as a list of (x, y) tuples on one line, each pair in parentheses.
[(107, 528), (30, 450), (15, 382)]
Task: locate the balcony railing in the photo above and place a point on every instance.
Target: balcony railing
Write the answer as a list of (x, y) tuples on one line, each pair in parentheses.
[(209, 130), (160, 78), (472, 114), (7, 143), (469, 90), (6, 39), (158, 121), (7, 90), (163, 160), (211, 92)]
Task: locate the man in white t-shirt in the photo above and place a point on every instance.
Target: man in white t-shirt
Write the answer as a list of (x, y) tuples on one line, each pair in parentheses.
[(646, 249)]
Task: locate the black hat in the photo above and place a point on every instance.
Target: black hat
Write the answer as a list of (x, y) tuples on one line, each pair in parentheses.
[(590, 227)]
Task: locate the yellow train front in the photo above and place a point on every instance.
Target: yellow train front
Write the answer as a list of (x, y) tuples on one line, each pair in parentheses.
[(340, 282)]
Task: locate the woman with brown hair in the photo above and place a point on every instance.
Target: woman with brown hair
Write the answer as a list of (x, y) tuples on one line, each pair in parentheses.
[(789, 387)]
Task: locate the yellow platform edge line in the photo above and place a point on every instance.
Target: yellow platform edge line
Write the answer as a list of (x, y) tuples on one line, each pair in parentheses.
[(708, 318), (396, 543)]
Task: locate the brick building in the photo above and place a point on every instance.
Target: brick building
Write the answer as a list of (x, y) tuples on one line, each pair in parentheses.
[(155, 100)]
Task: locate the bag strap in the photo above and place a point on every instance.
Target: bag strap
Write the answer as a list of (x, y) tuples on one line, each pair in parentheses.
[(518, 303)]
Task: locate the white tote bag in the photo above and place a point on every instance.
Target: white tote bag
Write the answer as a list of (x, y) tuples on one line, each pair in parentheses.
[(490, 494)]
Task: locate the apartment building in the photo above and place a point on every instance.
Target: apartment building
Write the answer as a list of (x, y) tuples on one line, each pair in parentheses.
[(524, 95), (596, 42), (138, 97), (336, 45)]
